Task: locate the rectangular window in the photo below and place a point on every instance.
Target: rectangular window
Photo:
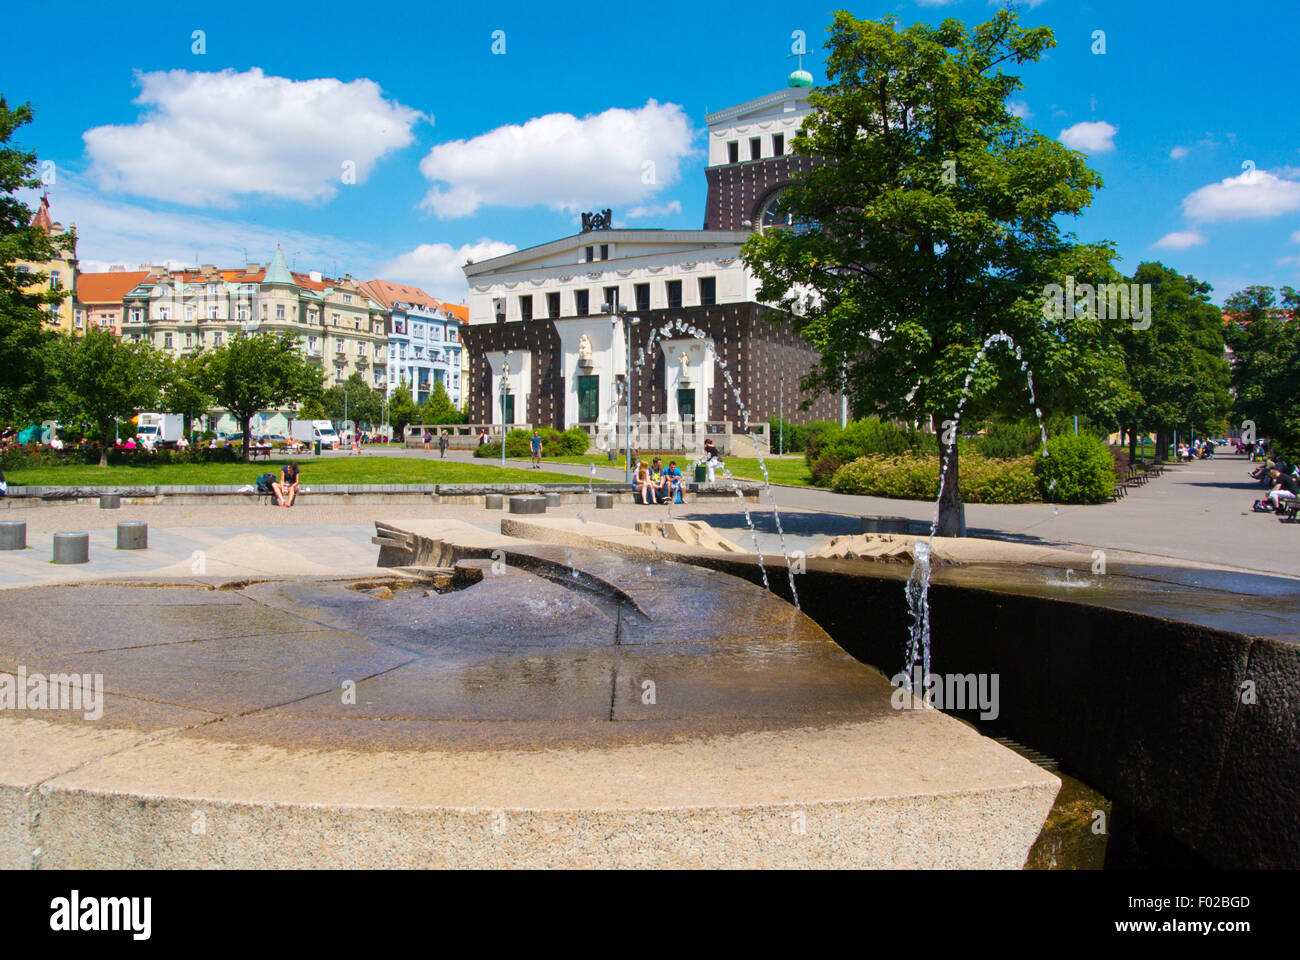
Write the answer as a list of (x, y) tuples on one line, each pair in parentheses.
[(733, 151), (755, 148), (167, 340), (189, 314), (526, 307), (212, 313), (674, 294), (216, 338), (137, 315), (588, 399), (708, 291), (279, 311), (189, 339), (581, 302), (604, 251), (611, 300), (642, 292), (552, 311), (591, 254), (778, 144), (347, 298)]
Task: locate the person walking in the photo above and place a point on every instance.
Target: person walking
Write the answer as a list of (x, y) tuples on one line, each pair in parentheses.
[(535, 445), (428, 440), (442, 444)]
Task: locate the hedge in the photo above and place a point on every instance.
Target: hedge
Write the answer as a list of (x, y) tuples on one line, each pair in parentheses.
[(1078, 468), (834, 446), (33, 457), (907, 477), (572, 442)]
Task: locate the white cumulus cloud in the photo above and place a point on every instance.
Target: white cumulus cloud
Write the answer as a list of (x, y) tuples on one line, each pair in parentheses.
[(1180, 240), (561, 161), (1177, 153), (1254, 195), (1020, 108), (437, 266), (207, 139), (1090, 136)]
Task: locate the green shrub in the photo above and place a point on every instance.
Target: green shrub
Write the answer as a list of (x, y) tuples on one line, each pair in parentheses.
[(554, 444), (576, 441), (862, 438), (1004, 440), (797, 436), (1077, 469), (917, 478)]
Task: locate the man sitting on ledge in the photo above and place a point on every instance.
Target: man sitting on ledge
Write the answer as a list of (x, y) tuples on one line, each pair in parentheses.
[(286, 491)]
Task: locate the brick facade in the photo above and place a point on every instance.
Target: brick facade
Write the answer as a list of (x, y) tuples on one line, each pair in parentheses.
[(738, 190)]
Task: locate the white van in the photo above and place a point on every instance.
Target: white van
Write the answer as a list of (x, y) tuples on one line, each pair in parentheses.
[(311, 431)]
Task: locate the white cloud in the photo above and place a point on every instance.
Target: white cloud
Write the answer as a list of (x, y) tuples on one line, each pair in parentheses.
[(437, 266), (655, 210), (562, 161), (210, 138), (118, 232), (1179, 240), (1177, 153), (1295, 237), (1090, 136), (1256, 194), (1020, 109)]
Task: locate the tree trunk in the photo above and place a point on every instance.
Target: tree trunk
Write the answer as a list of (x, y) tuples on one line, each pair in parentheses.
[(245, 424), (1132, 444), (949, 524), (104, 447)]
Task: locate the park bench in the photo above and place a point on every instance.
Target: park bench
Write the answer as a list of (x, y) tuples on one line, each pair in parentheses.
[(262, 450), (1290, 511)]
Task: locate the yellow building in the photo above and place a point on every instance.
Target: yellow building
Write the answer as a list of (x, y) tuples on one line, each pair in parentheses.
[(60, 273)]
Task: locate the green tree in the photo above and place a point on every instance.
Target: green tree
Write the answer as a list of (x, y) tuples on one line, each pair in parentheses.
[(184, 389), (100, 379), (931, 224), (362, 404), (439, 408), (250, 374), (1176, 366), (402, 409), (1266, 366), (312, 410), (24, 298)]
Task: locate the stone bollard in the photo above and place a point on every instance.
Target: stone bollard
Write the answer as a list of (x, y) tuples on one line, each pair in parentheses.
[(133, 535), (604, 501), (527, 504), (72, 548), (886, 525), (13, 535), (110, 501), (493, 501), (554, 499)]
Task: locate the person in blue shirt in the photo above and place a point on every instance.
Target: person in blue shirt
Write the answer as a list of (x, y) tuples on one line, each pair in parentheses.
[(536, 444), (673, 475)]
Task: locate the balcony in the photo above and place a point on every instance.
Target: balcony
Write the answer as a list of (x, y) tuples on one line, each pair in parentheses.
[(363, 361)]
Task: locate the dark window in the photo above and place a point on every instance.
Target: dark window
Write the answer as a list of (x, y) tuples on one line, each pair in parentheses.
[(588, 399), (708, 291), (755, 148), (675, 294), (552, 305), (604, 251), (686, 404), (733, 151), (642, 291), (580, 303), (526, 307), (778, 144), (611, 299), (591, 254)]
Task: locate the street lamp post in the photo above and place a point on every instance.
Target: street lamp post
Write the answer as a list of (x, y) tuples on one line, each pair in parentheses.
[(628, 322), (505, 378), (780, 449)]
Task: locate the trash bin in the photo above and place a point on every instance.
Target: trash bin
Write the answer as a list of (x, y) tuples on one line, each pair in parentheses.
[(315, 447), (701, 473)]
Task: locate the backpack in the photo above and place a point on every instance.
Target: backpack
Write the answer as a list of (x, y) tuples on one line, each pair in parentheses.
[(264, 482)]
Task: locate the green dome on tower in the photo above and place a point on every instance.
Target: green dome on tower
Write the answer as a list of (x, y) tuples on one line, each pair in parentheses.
[(800, 78)]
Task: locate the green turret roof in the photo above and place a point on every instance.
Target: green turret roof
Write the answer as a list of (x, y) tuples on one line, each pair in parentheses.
[(278, 270)]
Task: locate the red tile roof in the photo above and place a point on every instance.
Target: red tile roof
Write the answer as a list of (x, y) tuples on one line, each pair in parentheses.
[(108, 287)]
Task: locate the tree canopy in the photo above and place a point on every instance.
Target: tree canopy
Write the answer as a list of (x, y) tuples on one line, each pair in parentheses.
[(249, 374), (1265, 341), (931, 224)]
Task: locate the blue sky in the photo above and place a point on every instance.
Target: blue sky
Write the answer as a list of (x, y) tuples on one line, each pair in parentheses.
[(160, 153)]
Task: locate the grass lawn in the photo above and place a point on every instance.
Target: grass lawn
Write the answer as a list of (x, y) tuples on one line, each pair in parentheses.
[(792, 470), (332, 470), (788, 470)]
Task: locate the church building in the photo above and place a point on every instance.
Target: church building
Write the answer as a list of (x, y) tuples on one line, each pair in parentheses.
[(548, 340)]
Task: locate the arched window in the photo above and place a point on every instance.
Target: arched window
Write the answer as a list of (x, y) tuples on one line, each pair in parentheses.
[(775, 215)]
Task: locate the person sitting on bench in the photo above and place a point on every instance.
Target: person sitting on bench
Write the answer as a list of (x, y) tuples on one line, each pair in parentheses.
[(286, 491)]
